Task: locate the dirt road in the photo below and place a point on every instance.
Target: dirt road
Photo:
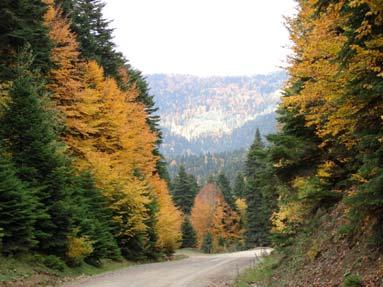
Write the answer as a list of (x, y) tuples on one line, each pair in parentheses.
[(196, 271)]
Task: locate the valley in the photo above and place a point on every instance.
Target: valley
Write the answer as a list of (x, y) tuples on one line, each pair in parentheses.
[(214, 114)]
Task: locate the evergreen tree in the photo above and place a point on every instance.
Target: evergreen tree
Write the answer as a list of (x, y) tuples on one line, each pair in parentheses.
[(21, 23), (362, 105), (224, 185), (152, 251), (257, 223), (239, 185), (95, 220), (189, 236), (207, 244), (193, 185), (184, 190), (27, 130), (94, 34), (17, 211)]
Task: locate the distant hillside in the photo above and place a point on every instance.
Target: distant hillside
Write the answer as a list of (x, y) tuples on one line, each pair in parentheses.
[(240, 138), (202, 166), (214, 114)]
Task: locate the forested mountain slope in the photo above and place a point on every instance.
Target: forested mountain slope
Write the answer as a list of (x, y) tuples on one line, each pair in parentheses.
[(214, 114), (210, 164)]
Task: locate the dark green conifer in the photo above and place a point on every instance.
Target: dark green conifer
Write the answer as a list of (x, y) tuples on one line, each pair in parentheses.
[(184, 190), (189, 236), (94, 219), (239, 185), (152, 251), (94, 34), (224, 185), (21, 23), (28, 134), (257, 223), (17, 211)]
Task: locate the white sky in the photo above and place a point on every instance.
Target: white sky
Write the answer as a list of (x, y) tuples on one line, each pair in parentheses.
[(201, 37)]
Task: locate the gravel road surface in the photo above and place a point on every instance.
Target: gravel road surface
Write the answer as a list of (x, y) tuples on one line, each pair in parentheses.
[(198, 270)]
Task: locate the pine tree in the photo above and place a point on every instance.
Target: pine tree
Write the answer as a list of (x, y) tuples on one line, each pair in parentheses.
[(193, 184), (257, 223), (94, 34), (17, 211), (22, 24), (184, 190), (189, 237), (152, 250), (239, 185), (27, 130), (224, 185), (362, 104), (96, 220)]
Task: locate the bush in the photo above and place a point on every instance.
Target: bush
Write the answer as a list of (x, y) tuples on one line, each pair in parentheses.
[(78, 249), (53, 262), (352, 281)]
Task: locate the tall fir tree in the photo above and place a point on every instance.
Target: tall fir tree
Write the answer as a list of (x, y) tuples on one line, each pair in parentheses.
[(239, 185), (223, 184), (21, 23), (184, 191), (189, 236), (257, 223), (94, 219), (17, 211), (94, 34), (28, 134)]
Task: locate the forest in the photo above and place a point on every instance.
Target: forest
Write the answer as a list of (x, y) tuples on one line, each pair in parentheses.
[(83, 179), (318, 186), (81, 175), (315, 187)]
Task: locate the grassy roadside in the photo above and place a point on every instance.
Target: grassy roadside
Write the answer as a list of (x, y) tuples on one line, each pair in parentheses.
[(324, 253), (261, 274), (27, 271)]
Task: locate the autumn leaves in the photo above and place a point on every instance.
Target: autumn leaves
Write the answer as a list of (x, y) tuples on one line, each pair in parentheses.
[(212, 217), (107, 132)]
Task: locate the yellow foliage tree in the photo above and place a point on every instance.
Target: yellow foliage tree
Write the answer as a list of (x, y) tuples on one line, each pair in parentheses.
[(108, 133), (169, 218)]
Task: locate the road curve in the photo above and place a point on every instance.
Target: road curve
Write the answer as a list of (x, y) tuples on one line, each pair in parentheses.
[(195, 271)]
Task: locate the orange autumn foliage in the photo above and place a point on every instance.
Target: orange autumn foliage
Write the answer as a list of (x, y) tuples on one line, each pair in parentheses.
[(108, 133), (211, 214)]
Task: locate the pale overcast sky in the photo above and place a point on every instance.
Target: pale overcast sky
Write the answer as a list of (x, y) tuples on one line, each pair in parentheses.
[(201, 37)]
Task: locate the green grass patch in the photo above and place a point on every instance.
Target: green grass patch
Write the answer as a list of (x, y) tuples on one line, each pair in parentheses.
[(26, 266), (352, 280), (261, 273)]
